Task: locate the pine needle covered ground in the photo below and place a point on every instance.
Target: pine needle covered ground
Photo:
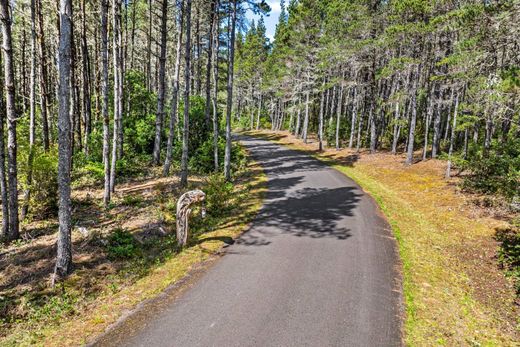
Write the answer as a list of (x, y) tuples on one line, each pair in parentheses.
[(123, 256), (455, 293)]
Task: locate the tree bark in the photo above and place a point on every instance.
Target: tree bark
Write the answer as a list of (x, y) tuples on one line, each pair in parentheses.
[(159, 117), (216, 37), (184, 212), (10, 105), (175, 94), (44, 92), (227, 153), (186, 127), (208, 64), (116, 47), (64, 257), (452, 137), (104, 101)]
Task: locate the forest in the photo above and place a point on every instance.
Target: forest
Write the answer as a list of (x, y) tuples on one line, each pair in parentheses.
[(97, 92)]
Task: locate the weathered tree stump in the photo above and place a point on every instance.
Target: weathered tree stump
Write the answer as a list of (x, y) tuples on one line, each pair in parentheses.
[(184, 212)]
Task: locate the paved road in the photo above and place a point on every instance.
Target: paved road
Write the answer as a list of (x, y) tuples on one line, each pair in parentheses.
[(317, 268)]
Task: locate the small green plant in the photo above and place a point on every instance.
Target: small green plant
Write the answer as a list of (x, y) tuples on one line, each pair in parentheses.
[(133, 200), (122, 245)]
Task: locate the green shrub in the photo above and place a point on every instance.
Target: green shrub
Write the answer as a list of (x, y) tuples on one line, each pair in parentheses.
[(496, 172), (509, 253), (219, 195), (122, 245), (44, 189)]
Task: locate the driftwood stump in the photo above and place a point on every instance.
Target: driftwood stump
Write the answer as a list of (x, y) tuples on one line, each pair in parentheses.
[(184, 212)]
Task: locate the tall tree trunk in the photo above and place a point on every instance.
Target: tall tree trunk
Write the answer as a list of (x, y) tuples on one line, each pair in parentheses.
[(227, 153), (159, 117), (452, 137), (186, 125), (353, 120), (87, 105), (338, 116), (10, 105), (208, 64), (259, 111), (216, 37), (175, 94), (44, 92), (32, 111), (104, 100), (64, 258), (397, 128), (320, 125), (3, 177), (411, 133), (116, 47), (306, 119)]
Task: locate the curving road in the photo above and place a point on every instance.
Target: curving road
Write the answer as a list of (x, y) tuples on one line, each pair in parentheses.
[(318, 267)]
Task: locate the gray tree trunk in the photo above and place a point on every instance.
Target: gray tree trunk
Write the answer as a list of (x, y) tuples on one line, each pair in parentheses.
[(411, 134), (353, 120), (12, 175), (216, 36), (3, 176), (159, 117), (320, 125), (175, 94), (338, 115), (32, 111), (187, 69), (452, 137), (64, 258), (227, 153), (104, 100), (116, 55), (208, 64), (306, 119), (44, 93)]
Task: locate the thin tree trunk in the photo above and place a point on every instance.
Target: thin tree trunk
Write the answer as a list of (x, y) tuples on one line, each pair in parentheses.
[(354, 119), (338, 116), (187, 69), (452, 138), (10, 105), (397, 128), (208, 64), (32, 111), (87, 105), (306, 119), (104, 100), (3, 180), (411, 133), (227, 154), (159, 117), (175, 94), (64, 258), (44, 93), (216, 28), (116, 46), (259, 112), (320, 125)]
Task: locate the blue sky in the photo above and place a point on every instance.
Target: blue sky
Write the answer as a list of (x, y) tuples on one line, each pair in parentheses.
[(272, 20)]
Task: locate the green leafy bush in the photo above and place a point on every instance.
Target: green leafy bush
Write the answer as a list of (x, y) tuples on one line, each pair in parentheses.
[(122, 245)]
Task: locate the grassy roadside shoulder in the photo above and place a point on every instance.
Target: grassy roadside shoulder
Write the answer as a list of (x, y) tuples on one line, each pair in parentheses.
[(82, 319), (454, 294)]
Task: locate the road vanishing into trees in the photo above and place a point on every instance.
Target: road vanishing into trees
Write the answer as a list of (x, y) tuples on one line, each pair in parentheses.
[(318, 267)]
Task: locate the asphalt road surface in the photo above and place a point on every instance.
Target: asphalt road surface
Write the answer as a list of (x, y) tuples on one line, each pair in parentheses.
[(318, 267)]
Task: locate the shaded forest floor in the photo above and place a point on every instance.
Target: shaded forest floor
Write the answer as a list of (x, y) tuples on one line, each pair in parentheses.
[(455, 292), (122, 255)]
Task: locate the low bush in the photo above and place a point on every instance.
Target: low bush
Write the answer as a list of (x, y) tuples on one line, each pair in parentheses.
[(122, 245), (509, 253)]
